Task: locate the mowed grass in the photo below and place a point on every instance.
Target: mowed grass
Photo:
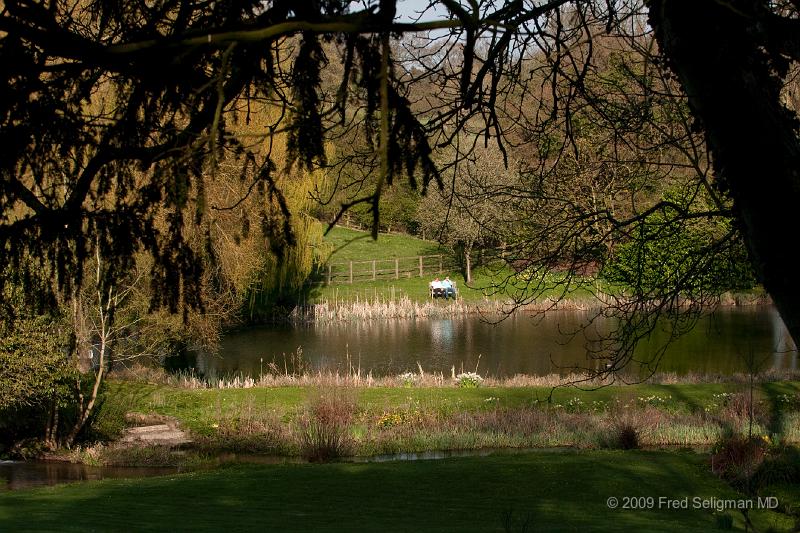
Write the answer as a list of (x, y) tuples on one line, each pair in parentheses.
[(544, 491), (353, 245)]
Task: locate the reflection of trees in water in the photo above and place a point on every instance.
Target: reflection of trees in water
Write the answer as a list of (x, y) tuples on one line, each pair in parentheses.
[(518, 344)]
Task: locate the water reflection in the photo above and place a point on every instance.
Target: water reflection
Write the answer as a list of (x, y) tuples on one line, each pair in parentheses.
[(16, 475), (720, 343)]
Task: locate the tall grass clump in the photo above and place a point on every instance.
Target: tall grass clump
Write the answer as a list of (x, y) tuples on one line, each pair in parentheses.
[(627, 437), (736, 458), (324, 428)]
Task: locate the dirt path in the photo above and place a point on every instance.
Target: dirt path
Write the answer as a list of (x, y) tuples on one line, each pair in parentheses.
[(154, 430)]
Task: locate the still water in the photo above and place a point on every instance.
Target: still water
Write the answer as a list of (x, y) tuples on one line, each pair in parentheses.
[(16, 475), (521, 344)]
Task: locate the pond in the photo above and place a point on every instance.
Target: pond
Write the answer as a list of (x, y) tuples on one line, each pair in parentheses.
[(17, 475), (719, 344)]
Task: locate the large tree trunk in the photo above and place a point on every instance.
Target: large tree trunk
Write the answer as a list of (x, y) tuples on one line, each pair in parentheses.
[(753, 140)]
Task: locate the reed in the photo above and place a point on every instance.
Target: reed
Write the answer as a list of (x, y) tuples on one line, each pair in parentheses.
[(324, 429), (382, 307), (355, 376)]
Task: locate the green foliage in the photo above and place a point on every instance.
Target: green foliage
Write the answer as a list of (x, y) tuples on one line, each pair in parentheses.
[(36, 377), (281, 282), (34, 363), (468, 380), (667, 252), (398, 208)]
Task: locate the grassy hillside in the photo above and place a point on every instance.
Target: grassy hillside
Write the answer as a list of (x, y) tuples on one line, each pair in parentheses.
[(353, 245)]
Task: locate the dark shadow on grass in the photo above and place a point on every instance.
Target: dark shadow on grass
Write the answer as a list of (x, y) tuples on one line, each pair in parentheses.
[(557, 492), (774, 393)]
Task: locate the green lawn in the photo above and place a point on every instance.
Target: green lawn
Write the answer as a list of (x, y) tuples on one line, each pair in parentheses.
[(544, 491), (354, 245), (200, 409)]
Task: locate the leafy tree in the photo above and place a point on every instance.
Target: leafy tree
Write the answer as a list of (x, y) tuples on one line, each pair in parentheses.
[(115, 115), (37, 381), (696, 257)]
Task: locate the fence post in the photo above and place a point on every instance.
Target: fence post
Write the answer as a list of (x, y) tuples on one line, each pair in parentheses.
[(440, 264), (373, 270), (420, 266), (330, 269), (396, 268), (351, 272)]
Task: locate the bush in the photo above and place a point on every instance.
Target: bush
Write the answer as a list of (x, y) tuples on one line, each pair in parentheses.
[(666, 249), (468, 380), (408, 379), (736, 458), (325, 427), (781, 466), (627, 437), (37, 381)]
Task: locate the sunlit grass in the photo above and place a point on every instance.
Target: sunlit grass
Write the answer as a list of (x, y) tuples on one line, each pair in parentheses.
[(413, 419), (352, 245)]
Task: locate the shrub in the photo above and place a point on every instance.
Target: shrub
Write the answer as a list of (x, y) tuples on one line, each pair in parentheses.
[(325, 426), (781, 466), (627, 437), (468, 380), (37, 380), (736, 458), (408, 379)]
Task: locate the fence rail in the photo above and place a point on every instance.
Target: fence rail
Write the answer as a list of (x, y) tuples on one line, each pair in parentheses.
[(379, 269)]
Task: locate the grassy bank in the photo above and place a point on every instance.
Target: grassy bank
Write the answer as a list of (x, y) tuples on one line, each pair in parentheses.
[(408, 296), (547, 491), (353, 245), (374, 420)]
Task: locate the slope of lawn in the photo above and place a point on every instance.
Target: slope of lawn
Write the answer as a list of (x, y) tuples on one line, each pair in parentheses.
[(544, 491), (354, 245)]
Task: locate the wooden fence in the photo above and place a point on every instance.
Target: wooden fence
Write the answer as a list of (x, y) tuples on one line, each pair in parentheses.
[(383, 269)]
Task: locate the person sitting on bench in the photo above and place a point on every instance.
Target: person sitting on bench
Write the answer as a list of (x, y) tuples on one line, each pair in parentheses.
[(449, 288), (437, 289)]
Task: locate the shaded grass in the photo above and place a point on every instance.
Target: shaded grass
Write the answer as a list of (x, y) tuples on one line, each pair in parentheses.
[(553, 491)]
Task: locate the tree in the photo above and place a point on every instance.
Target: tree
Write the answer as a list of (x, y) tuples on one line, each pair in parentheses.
[(465, 215), (115, 114), (735, 57)]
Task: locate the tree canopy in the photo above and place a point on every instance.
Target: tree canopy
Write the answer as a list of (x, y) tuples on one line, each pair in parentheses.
[(116, 116)]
